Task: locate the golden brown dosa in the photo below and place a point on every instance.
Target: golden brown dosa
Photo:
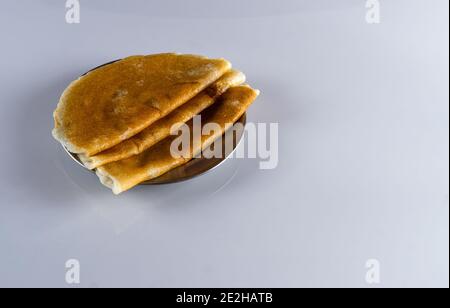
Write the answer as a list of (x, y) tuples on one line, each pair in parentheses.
[(157, 160), (119, 100), (161, 128)]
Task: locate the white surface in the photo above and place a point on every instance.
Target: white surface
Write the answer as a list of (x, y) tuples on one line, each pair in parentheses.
[(363, 173)]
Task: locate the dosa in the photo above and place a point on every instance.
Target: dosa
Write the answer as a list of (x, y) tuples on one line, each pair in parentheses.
[(119, 100), (161, 128), (157, 160)]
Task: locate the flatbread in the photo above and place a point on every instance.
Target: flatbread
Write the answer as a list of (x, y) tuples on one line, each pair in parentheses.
[(161, 128), (157, 160), (117, 101)]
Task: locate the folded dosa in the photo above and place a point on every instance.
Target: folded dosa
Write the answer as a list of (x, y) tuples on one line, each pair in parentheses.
[(117, 101), (161, 128), (157, 160)]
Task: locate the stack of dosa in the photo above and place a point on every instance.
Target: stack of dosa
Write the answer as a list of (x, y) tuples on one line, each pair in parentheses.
[(118, 118)]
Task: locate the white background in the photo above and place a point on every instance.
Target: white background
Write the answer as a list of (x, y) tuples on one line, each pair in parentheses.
[(363, 169)]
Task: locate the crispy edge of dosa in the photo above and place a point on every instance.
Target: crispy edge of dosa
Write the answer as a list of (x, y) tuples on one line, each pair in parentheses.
[(156, 161), (161, 128)]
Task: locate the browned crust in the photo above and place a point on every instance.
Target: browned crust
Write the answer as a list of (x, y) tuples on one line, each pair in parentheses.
[(117, 101)]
